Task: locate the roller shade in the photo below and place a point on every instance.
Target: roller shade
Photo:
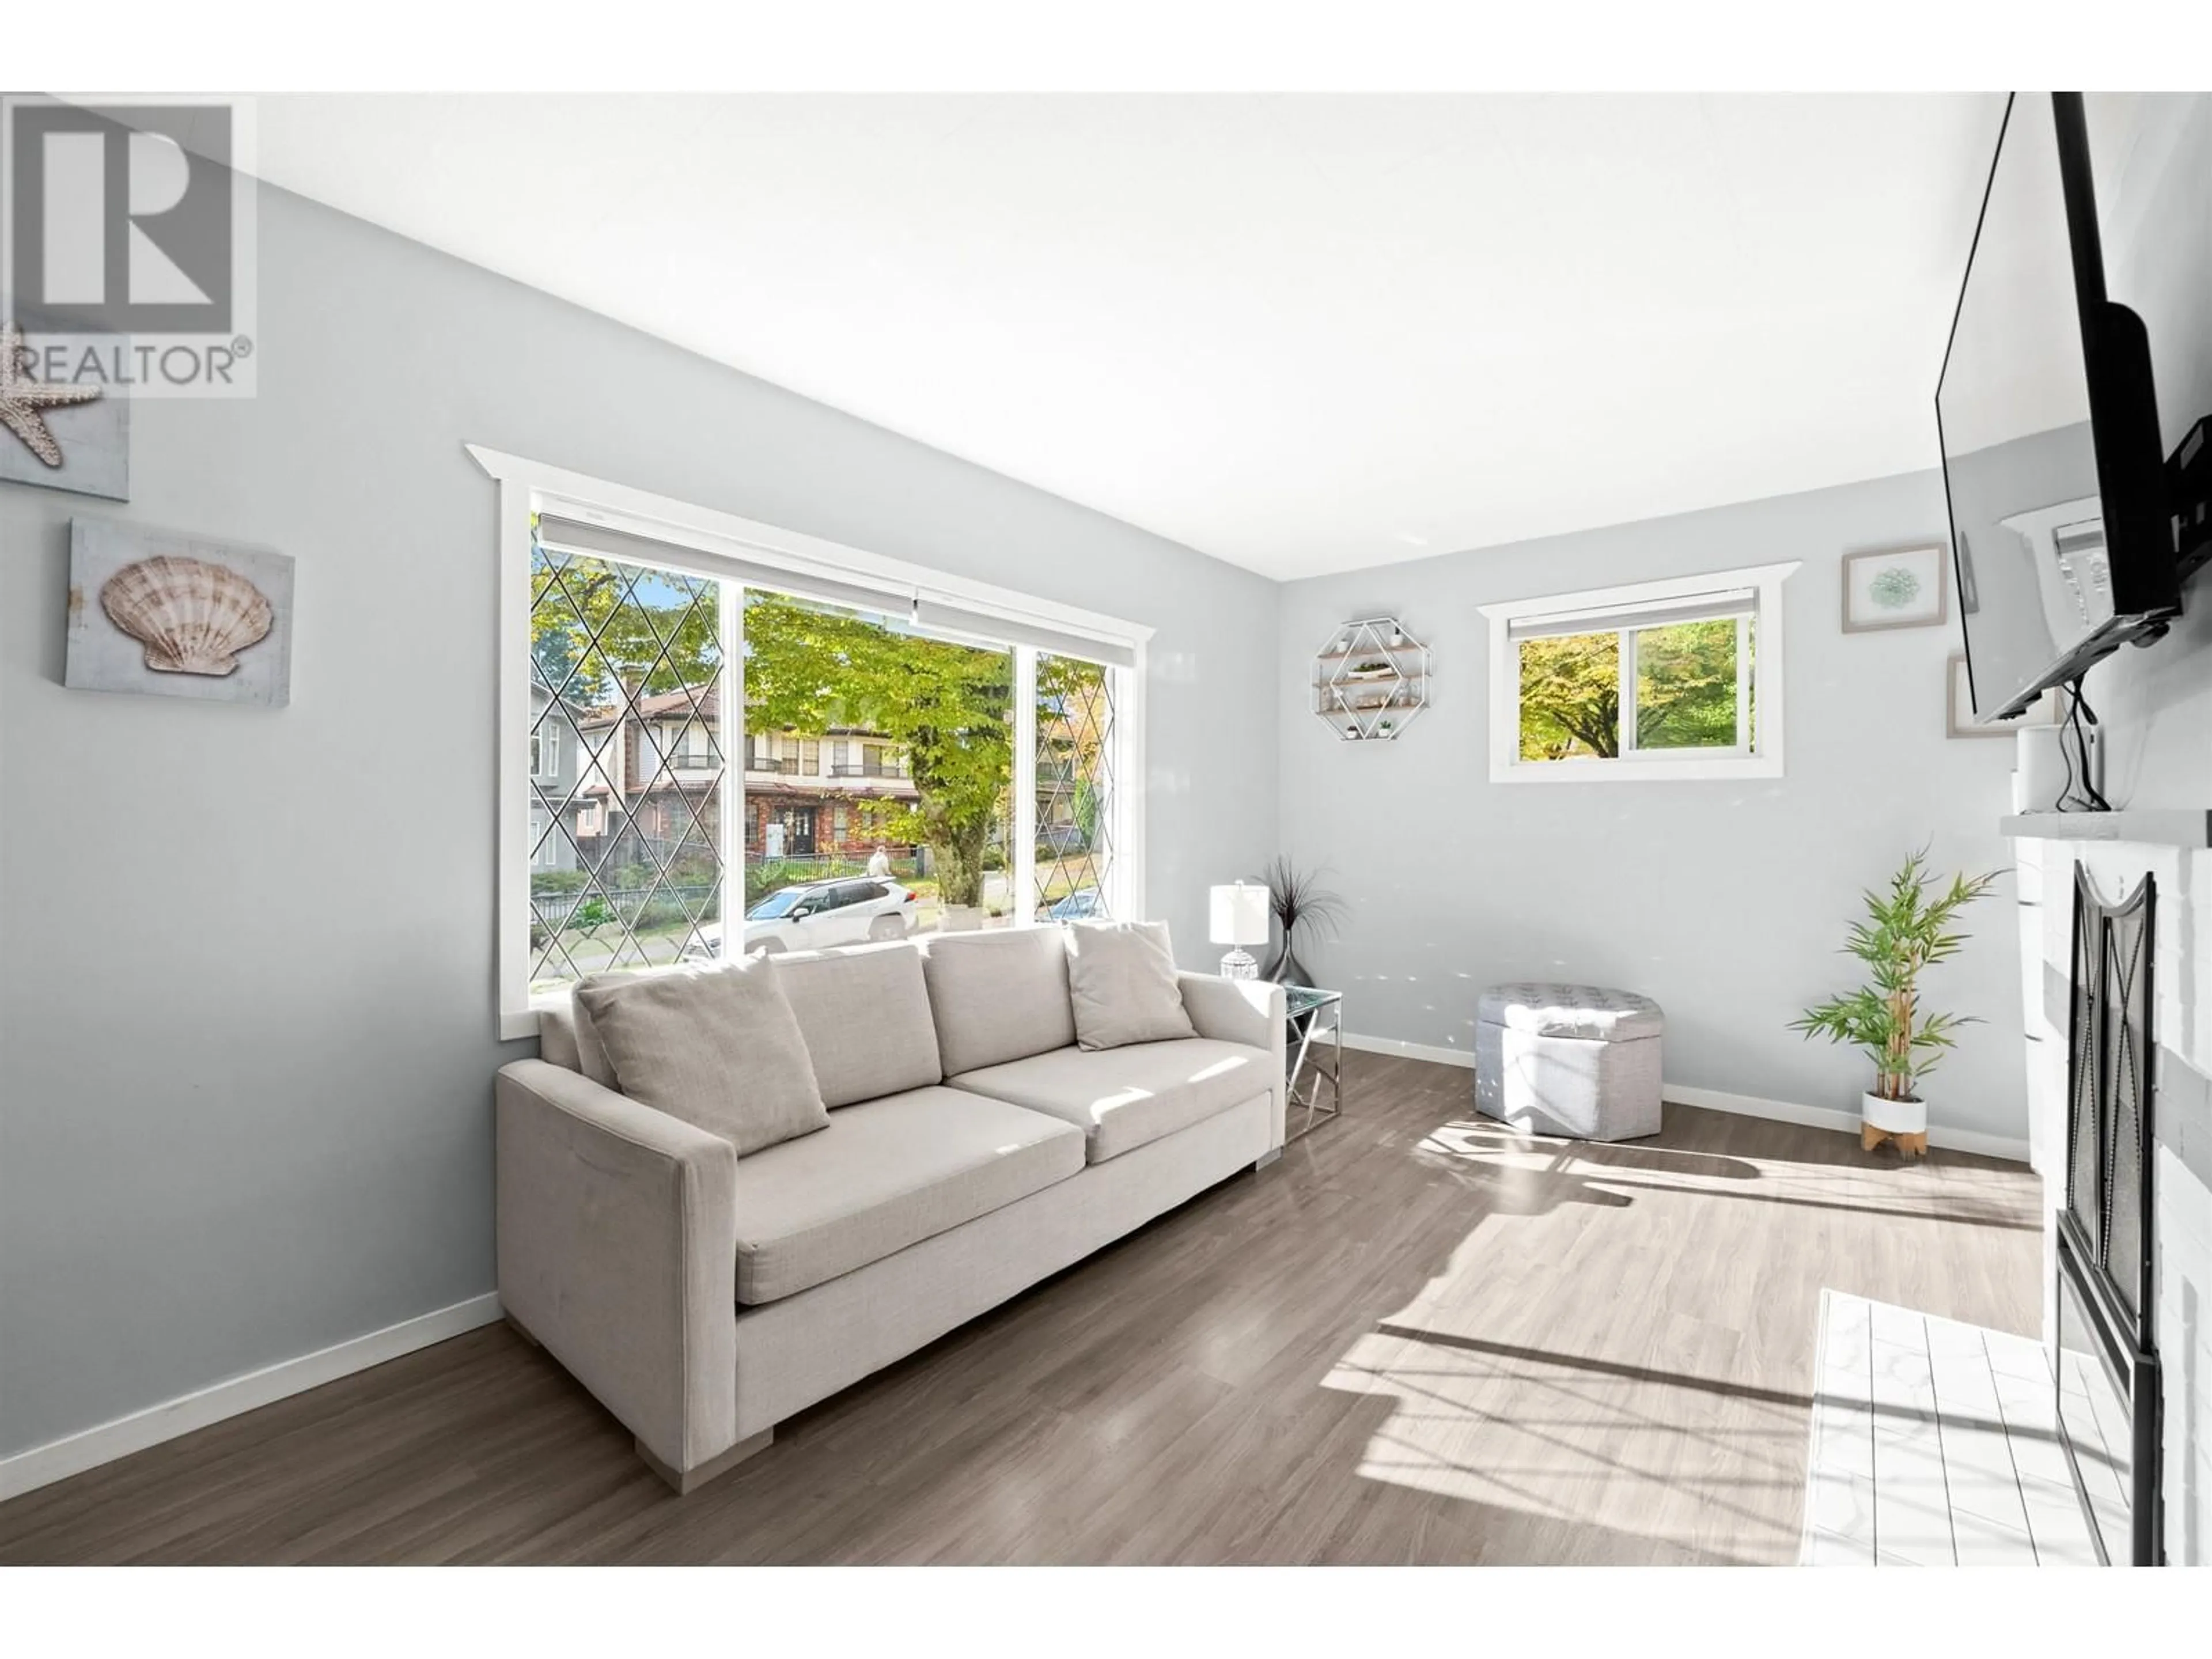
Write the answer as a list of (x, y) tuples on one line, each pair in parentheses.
[(853, 592), (988, 628), (1651, 613), (569, 535)]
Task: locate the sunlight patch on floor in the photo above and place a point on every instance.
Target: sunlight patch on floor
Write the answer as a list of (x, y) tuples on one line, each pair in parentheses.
[(1636, 1447), (1937, 1188)]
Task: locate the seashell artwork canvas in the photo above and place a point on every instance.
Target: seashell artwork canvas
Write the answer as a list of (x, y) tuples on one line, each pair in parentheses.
[(81, 444), (155, 612)]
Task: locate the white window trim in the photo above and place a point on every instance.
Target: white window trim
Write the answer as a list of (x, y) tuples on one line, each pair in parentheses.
[(705, 543), (1764, 761)]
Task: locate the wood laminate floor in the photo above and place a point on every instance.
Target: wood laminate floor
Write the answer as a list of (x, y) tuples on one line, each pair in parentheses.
[(1418, 1338)]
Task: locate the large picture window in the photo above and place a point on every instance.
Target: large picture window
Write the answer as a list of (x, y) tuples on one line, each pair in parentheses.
[(1677, 679), (909, 751), (910, 783)]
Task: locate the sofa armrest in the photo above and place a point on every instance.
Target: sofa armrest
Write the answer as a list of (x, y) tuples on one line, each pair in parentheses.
[(617, 1251), (1248, 1011)]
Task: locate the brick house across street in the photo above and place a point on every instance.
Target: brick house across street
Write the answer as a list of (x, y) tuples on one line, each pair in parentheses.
[(642, 779)]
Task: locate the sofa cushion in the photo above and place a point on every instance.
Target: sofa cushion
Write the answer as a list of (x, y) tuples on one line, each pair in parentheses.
[(997, 996), (864, 1011), (1122, 1098), (566, 1036), (1122, 984), (717, 1047), (884, 1175), (562, 1031)]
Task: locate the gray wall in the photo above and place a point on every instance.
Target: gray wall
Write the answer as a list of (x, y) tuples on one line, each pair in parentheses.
[(246, 1003), (1726, 900)]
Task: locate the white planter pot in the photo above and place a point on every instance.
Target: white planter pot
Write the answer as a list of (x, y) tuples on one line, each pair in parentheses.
[(1895, 1117), (960, 919)]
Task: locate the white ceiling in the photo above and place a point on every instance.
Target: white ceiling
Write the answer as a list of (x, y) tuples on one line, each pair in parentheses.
[(1300, 334)]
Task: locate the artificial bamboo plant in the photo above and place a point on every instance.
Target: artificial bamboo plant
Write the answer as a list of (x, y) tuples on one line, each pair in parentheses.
[(1906, 930)]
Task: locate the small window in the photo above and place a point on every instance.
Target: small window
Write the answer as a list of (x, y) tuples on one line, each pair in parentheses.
[(541, 855), (1676, 680)]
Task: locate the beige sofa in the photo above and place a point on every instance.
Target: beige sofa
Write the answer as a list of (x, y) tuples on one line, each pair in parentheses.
[(973, 1149)]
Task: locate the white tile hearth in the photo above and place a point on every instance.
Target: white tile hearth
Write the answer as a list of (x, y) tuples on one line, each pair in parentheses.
[(1934, 1443)]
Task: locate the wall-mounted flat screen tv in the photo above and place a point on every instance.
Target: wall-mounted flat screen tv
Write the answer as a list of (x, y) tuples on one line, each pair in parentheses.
[(2063, 545)]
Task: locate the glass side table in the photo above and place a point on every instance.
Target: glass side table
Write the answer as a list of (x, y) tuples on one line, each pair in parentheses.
[(1313, 1013)]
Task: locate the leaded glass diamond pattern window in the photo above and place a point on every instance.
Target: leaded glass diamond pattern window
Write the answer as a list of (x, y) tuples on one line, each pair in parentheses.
[(626, 854), (1075, 749), (882, 723)]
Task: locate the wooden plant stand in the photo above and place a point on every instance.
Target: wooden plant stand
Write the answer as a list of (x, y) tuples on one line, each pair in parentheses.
[(1910, 1146)]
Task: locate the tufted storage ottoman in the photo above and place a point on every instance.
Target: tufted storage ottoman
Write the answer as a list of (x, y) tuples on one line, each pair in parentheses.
[(1569, 1060)]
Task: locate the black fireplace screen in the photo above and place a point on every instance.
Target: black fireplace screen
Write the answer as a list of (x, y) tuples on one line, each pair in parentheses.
[(2106, 1352), (2108, 1115)]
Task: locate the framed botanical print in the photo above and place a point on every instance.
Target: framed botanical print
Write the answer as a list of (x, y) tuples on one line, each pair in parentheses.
[(1901, 587)]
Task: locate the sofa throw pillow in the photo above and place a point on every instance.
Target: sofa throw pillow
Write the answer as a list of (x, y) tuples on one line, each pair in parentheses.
[(864, 1012), (997, 996), (717, 1047), (1122, 979)]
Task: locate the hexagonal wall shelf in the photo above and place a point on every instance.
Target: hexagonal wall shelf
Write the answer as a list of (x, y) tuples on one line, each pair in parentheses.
[(1370, 680)]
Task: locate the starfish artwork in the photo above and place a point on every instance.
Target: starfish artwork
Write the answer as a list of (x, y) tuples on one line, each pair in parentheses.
[(22, 398)]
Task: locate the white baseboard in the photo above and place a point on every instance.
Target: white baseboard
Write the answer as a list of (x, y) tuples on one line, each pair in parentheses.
[(2013, 1149), (1375, 1045), (1780, 1111), (41, 1466)]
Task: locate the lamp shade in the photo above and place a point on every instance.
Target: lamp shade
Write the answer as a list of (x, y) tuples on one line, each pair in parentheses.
[(1239, 914)]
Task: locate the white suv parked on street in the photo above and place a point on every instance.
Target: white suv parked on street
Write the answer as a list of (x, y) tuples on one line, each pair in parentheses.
[(815, 915)]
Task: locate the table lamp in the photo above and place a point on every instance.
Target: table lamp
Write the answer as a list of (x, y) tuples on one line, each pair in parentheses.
[(1239, 917)]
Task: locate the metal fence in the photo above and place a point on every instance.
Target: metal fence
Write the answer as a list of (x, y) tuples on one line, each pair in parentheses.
[(557, 909)]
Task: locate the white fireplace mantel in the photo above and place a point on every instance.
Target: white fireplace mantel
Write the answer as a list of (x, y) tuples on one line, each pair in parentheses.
[(2175, 826)]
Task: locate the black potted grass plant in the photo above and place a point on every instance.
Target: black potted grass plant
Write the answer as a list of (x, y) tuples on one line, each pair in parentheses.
[(1299, 900)]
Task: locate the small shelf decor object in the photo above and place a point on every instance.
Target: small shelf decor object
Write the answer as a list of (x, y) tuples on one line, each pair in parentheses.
[(1900, 587), (1905, 930), (1371, 679), (1238, 914)]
